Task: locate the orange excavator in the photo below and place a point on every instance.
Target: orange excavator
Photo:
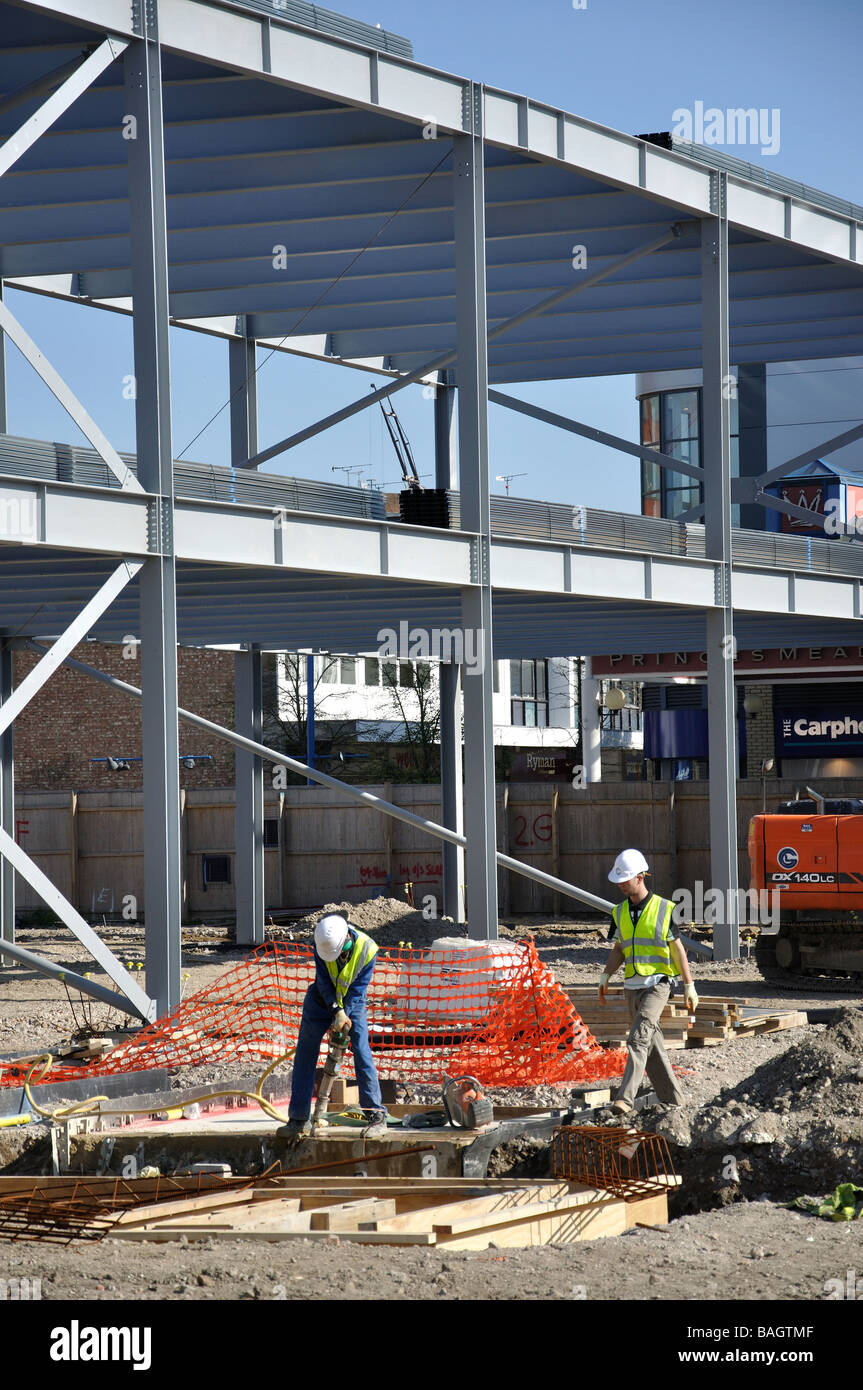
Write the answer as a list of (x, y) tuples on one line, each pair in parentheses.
[(810, 853)]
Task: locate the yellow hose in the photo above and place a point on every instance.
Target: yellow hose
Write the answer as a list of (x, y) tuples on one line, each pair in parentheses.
[(82, 1107)]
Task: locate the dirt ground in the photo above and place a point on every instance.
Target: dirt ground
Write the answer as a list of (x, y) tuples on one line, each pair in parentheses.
[(787, 1108)]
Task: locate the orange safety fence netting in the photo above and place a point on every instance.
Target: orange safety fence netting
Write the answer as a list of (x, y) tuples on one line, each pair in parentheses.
[(488, 1008)]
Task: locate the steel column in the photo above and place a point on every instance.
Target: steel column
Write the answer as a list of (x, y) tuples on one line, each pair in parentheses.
[(249, 816), (591, 728), (7, 801), (476, 603), (149, 257), (722, 713), (451, 774), (249, 888), (4, 417)]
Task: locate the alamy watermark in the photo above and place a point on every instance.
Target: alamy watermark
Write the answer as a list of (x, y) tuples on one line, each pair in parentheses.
[(459, 646), (19, 518), (720, 907), (737, 125)]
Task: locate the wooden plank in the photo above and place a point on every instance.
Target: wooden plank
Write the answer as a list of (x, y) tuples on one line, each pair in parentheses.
[(286, 1209), (183, 1206), (530, 1211), (589, 1222), (428, 1216), (648, 1211), (165, 1233), (346, 1216)]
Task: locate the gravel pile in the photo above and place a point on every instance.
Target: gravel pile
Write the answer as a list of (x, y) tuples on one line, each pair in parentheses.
[(389, 921)]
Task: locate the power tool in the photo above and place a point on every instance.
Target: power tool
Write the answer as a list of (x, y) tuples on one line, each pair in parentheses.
[(338, 1048), (464, 1102)]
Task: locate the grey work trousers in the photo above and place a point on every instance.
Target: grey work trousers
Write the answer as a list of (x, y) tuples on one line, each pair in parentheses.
[(647, 1048)]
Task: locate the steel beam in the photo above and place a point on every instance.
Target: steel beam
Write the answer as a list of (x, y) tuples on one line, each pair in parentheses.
[(158, 598), (84, 76), (17, 955), (7, 797), (249, 814), (67, 641), (69, 401), (591, 728), (353, 793), (480, 811), (563, 422), (449, 674), (839, 441), (249, 888), (139, 1001), (722, 708), (4, 415), (448, 358)]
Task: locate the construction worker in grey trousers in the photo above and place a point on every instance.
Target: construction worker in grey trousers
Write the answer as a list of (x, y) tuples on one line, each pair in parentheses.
[(646, 942)]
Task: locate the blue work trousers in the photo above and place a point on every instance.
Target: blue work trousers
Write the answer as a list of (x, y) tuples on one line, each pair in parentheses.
[(316, 1020)]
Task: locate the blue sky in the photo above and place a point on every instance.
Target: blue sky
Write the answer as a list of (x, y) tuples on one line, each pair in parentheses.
[(625, 63)]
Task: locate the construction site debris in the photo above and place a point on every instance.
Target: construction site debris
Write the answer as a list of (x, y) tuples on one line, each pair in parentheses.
[(716, 1019)]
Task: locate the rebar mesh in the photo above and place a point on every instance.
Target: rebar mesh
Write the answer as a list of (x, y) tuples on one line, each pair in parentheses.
[(627, 1162), (86, 1209)]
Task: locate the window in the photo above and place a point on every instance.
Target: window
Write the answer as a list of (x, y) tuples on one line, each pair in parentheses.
[(529, 694), (215, 868), (372, 674), (389, 674), (495, 680), (349, 670), (671, 422), (329, 669), (406, 675), (271, 832)]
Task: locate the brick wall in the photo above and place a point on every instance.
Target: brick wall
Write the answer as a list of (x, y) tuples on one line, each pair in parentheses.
[(759, 732), (74, 719)]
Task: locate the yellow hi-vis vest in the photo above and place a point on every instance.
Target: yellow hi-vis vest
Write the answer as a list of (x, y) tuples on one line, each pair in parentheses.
[(364, 950), (646, 947)]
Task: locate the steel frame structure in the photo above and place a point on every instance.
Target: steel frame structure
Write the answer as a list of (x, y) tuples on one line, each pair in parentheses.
[(237, 125)]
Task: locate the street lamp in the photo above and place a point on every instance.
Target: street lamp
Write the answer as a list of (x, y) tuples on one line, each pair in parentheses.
[(767, 765)]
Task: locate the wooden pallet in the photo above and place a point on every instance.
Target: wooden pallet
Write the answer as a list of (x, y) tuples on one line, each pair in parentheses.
[(460, 1213), (717, 1019)]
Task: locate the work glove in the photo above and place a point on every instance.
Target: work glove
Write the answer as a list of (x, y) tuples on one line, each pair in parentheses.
[(691, 997), (603, 987), (341, 1023)]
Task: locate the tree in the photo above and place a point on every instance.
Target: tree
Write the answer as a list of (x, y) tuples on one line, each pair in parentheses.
[(411, 702), (285, 711)]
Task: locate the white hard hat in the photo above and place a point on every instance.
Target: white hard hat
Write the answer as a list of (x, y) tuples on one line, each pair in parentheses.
[(627, 865), (331, 933)]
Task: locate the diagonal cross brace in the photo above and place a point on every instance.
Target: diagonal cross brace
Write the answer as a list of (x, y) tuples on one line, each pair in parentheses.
[(139, 1001), (447, 358), (563, 422), (377, 803), (67, 641), (69, 401), (82, 78)]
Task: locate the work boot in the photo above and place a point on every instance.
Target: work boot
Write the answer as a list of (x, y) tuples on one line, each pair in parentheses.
[(377, 1125), (295, 1131)]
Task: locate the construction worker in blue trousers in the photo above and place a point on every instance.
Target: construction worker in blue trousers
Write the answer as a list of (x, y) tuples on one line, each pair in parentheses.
[(336, 1002)]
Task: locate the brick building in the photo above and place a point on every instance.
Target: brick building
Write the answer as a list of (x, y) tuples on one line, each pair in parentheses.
[(74, 721)]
